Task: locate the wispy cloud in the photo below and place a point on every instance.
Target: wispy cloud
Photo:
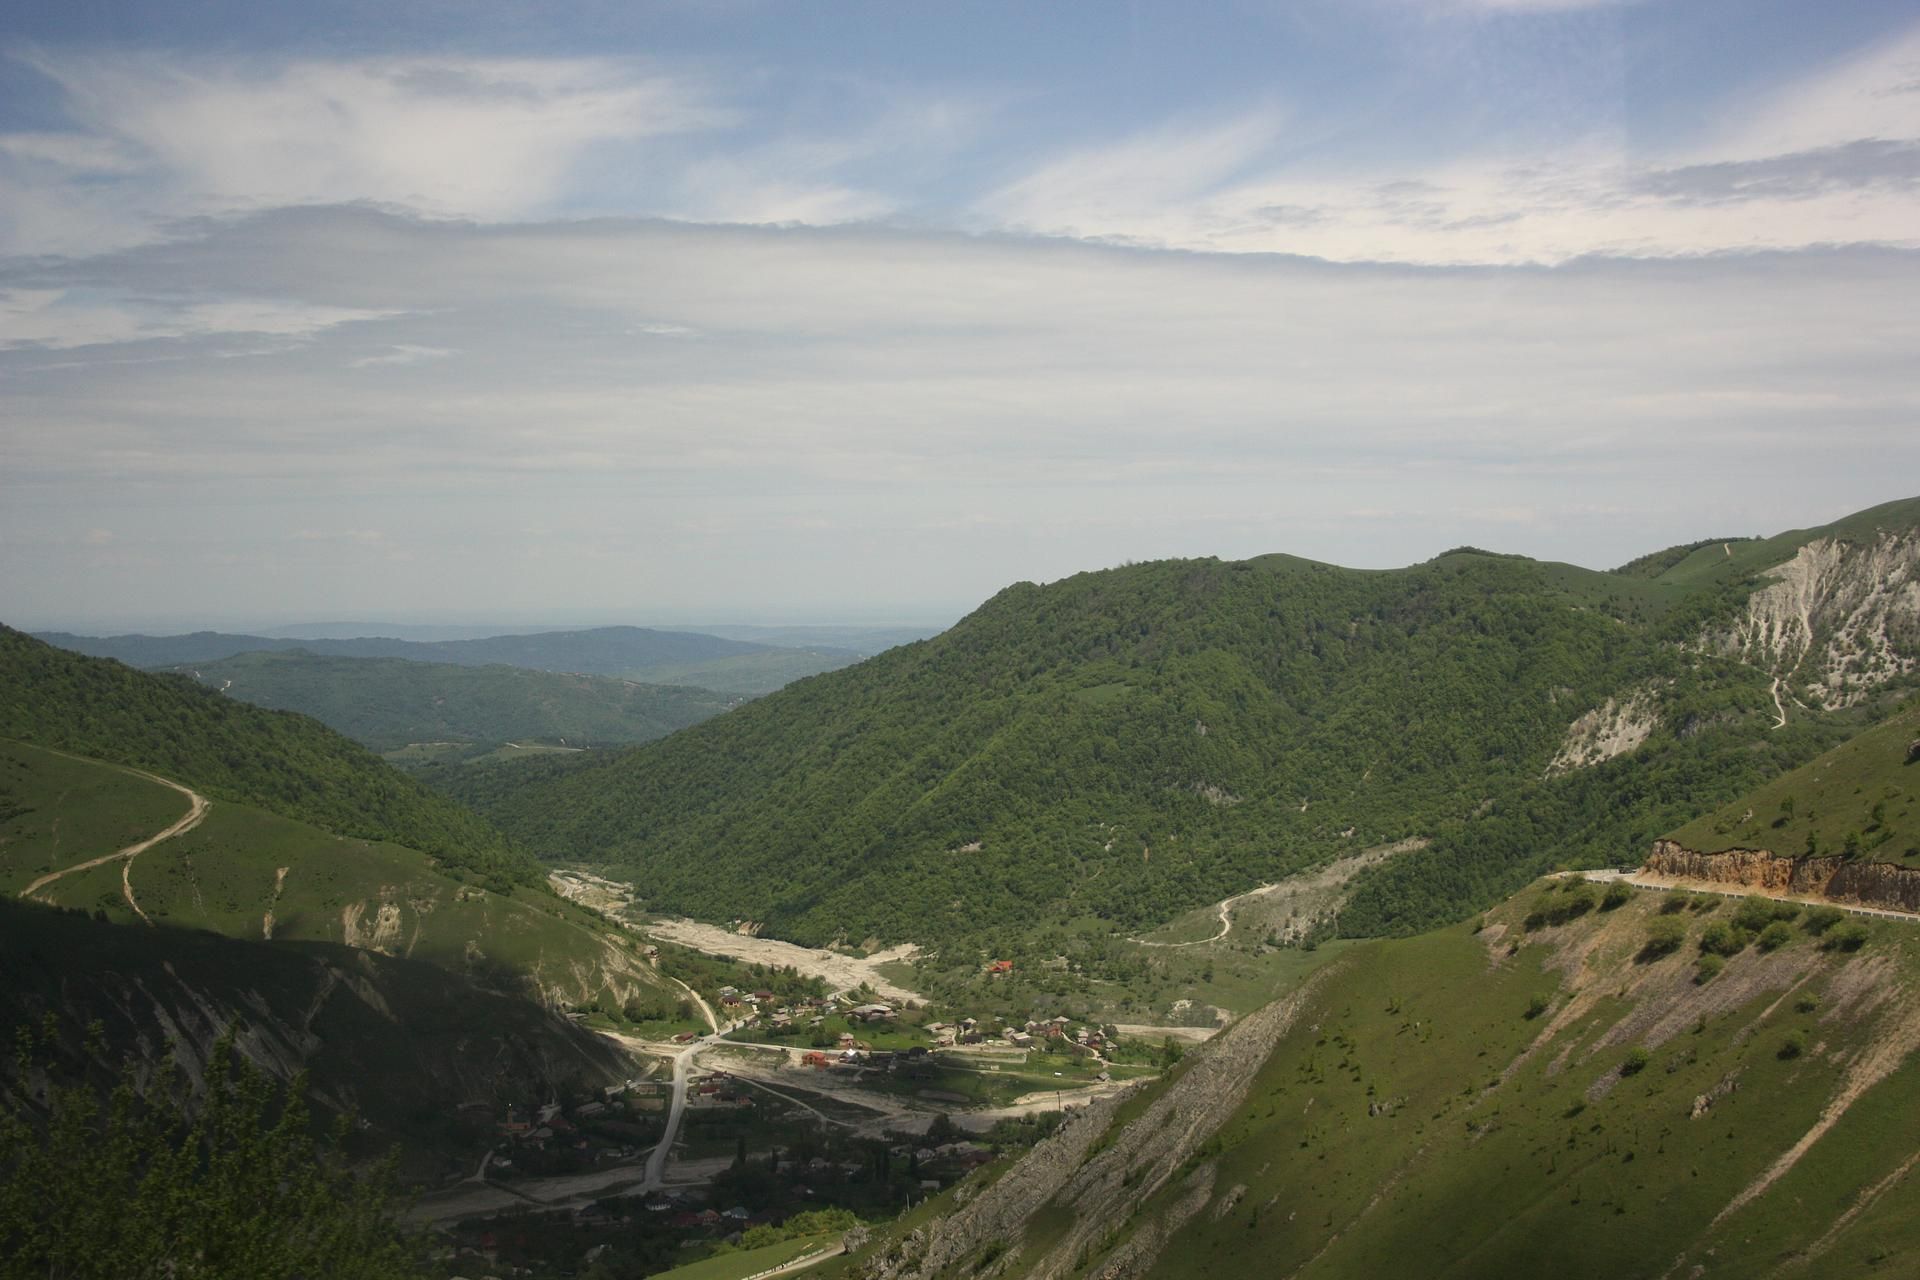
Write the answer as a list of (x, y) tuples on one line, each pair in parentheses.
[(471, 137), (403, 353), (1098, 189)]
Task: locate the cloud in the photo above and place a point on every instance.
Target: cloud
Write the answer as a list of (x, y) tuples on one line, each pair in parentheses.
[(1865, 163), (60, 319), (1089, 190), (470, 137), (404, 353), (845, 366)]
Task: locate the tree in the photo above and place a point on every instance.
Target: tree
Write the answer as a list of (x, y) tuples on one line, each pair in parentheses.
[(135, 1186)]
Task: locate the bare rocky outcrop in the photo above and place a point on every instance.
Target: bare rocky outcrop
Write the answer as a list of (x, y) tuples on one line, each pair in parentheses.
[(1840, 880), (1102, 1175), (1837, 621), (1611, 729)]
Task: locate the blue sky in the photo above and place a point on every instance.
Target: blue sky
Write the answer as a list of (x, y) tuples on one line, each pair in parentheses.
[(749, 311)]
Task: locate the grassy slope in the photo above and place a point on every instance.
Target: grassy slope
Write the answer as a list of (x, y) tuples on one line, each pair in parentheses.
[(1711, 565), (1132, 743), (387, 703), (226, 875), (751, 1262), (1835, 800), (1415, 1111), (56, 811), (283, 762)]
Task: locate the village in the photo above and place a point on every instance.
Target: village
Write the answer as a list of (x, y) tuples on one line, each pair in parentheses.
[(796, 1104)]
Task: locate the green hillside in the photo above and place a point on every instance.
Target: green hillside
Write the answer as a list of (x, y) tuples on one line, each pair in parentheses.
[(248, 873), (1128, 744), (1509, 1098), (1861, 798), (392, 703), (285, 763)]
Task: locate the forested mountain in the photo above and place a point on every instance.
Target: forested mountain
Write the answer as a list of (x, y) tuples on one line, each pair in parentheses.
[(387, 703), (630, 653), (282, 762), (1130, 743)]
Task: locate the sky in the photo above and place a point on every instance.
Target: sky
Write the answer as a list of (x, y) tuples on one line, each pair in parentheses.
[(742, 311)]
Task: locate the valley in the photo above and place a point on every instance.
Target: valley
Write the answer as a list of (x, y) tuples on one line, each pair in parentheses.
[(1475, 910)]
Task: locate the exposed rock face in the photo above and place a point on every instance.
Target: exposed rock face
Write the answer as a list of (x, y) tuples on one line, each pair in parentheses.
[(1611, 729), (1837, 621), (1841, 880)]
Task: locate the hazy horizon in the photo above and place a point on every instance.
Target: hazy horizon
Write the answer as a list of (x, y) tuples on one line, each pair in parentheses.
[(672, 312)]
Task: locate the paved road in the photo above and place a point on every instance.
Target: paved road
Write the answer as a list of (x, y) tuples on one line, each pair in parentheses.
[(676, 1110), (1644, 880), (197, 807)]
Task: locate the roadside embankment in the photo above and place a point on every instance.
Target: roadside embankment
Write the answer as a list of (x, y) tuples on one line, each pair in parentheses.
[(1849, 881)]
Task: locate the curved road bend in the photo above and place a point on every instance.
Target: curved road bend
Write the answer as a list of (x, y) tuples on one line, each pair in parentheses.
[(197, 807)]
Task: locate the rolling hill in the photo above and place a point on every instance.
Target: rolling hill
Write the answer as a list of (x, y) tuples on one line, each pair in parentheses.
[(281, 762), (309, 837), (1123, 745), (393, 703)]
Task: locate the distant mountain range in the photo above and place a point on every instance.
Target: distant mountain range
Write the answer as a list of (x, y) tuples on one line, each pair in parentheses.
[(630, 653), (422, 712)]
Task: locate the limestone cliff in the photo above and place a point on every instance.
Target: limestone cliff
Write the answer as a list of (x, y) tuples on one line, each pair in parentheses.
[(1838, 620), (1841, 880)]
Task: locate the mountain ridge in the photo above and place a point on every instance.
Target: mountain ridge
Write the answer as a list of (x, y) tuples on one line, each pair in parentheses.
[(1132, 742)]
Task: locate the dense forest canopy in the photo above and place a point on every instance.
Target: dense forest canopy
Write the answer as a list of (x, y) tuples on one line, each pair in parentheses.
[(1130, 743)]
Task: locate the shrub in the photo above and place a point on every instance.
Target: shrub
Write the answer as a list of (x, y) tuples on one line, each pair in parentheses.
[(1557, 908), (1635, 1062), (1664, 937), (1537, 1005), (1793, 1046), (1616, 895), (1821, 919), (1722, 939), (1710, 967), (1847, 937), (1674, 904), (1806, 1004), (1756, 913), (1774, 936)]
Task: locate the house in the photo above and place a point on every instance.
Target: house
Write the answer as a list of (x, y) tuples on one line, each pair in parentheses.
[(815, 1059), (589, 1111), (1000, 968), (870, 1012)]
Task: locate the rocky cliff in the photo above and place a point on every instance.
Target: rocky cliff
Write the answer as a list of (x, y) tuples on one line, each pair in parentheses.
[(1847, 881), (1835, 622)]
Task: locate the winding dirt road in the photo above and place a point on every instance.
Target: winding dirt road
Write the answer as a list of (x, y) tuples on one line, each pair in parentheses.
[(197, 807)]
